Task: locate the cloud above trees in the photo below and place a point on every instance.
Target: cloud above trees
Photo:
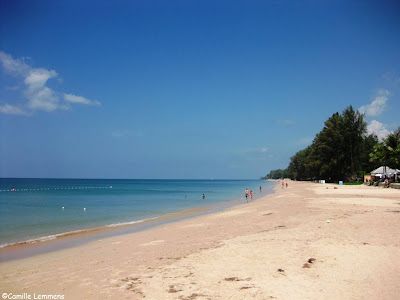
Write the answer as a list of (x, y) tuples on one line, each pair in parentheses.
[(377, 106)]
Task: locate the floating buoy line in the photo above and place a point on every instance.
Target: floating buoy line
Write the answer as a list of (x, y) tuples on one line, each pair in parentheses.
[(58, 188)]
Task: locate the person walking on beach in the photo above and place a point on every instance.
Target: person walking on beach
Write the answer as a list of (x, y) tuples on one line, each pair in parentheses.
[(286, 184), (204, 196), (251, 194), (260, 189), (246, 192)]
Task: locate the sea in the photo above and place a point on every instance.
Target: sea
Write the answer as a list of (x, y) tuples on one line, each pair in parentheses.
[(34, 210)]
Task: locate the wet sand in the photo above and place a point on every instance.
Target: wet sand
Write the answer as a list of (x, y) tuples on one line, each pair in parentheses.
[(79, 237), (309, 241)]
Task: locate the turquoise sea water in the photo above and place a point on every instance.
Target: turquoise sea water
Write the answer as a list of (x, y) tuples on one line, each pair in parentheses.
[(33, 209)]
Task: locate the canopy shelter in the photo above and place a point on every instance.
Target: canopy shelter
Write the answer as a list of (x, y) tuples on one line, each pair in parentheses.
[(384, 170)]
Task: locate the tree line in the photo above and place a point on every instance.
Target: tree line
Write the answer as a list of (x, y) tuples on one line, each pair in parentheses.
[(342, 150)]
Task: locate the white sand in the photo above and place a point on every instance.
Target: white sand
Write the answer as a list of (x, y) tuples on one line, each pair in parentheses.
[(258, 250)]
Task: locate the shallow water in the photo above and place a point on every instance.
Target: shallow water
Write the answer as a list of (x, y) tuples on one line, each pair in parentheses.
[(42, 209)]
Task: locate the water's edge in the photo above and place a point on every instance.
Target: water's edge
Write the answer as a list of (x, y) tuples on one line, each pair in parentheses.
[(46, 244)]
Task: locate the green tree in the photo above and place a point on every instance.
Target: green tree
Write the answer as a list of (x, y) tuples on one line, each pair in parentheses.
[(342, 151), (368, 147), (327, 159), (387, 152), (393, 146), (299, 165), (277, 174), (354, 130)]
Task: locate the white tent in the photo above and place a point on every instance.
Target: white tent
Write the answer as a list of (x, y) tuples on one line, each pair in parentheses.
[(384, 170)]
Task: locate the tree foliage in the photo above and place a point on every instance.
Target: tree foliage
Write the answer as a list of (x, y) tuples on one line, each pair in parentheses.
[(342, 151), (276, 174), (387, 152)]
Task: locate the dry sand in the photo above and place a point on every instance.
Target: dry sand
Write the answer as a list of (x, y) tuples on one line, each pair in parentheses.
[(309, 241)]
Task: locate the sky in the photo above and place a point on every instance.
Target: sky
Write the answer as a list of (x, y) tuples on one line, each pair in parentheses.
[(187, 89)]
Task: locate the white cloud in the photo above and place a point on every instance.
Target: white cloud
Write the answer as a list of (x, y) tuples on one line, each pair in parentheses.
[(11, 110), (37, 78), (15, 67), (43, 99), (39, 96), (377, 106), (377, 128), (79, 99)]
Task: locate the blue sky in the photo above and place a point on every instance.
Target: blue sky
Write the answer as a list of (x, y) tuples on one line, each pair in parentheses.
[(187, 89)]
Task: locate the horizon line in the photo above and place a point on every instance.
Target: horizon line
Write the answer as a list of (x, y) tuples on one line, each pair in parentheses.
[(129, 178)]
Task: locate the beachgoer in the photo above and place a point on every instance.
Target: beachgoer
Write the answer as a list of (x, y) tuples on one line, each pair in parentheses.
[(286, 184), (251, 194), (246, 192), (386, 183), (283, 184), (185, 197), (204, 196), (260, 188)]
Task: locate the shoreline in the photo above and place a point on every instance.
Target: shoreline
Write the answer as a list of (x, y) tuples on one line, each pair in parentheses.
[(63, 240), (261, 250)]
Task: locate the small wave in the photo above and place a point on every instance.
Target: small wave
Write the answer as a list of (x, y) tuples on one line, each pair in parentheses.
[(45, 238), (68, 233), (130, 223)]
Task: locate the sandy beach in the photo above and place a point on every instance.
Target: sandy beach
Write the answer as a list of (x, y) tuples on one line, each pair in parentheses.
[(309, 241)]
